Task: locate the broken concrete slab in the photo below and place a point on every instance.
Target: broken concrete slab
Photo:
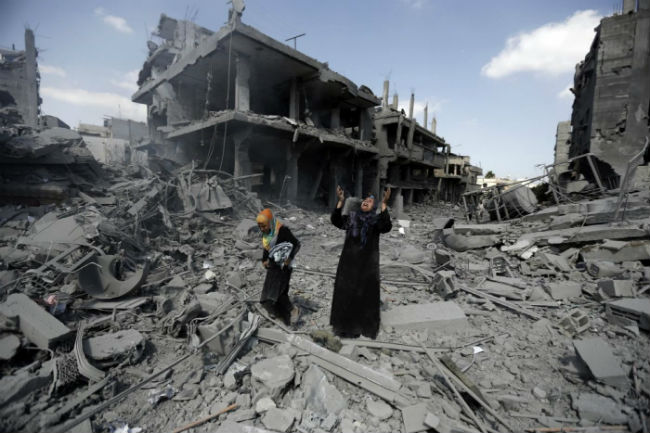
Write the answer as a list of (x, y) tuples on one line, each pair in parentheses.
[(563, 289), (36, 324), (637, 309), (273, 374), (115, 347), (264, 404), (600, 360), (321, 396), (618, 252), (618, 288), (379, 409), (278, 419), (596, 408), (436, 316), (414, 417), (24, 382)]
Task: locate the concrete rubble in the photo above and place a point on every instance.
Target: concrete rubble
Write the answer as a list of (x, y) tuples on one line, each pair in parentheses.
[(129, 294)]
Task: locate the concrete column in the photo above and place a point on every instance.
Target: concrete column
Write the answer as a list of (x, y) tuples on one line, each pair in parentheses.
[(426, 116), (411, 105), (434, 124), (292, 172), (398, 203), (358, 180), (395, 101), (242, 160), (294, 100), (333, 181), (242, 89), (629, 6), (335, 120), (409, 197), (365, 124), (30, 111), (384, 99)]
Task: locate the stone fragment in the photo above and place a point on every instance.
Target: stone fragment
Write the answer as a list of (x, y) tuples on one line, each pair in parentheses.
[(564, 289), (24, 382), (599, 358), (617, 288), (431, 421), (9, 345), (413, 417), (637, 309), (437, 316), (413, 255), (229, 426), (379, 409), (278, 419), (321, 396), (245, 228), (539, 393), (264, 404), (596, 408), (273, 373), (329, 422)]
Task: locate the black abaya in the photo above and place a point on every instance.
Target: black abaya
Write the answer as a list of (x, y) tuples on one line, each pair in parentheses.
[(355, 303), (275, 293)]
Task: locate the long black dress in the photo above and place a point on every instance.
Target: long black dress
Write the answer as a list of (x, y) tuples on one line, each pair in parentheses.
[(275, 293), (355, 303)]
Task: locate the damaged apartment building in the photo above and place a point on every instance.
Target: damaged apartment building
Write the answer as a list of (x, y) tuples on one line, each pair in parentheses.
[(612, 100), (415, 160), (290, 128)]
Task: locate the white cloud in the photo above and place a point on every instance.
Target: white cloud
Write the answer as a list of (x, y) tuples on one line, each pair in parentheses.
[(51, 70), (112, 103), (128, 81), (565, 93), (553, 48), (118, 23), (415, 4)]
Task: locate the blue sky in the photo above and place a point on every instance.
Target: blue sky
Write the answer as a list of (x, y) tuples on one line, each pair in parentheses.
[(495, 74)]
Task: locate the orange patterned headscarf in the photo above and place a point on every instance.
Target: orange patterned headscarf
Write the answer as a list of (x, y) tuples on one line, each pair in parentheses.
[(268, 239)]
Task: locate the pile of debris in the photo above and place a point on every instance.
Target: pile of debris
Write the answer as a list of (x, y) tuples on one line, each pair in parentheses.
[(135, 307), (46, 166)]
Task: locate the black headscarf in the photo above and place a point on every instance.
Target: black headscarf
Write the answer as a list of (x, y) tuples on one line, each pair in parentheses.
[(361, 221)]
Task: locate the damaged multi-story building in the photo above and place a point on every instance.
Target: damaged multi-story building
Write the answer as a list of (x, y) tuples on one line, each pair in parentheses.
[(612, 98), (19, 80), (241, 102), (415, 160)]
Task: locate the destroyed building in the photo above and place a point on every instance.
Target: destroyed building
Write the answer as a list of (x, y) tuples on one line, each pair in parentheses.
[(414, 160), (19, 79), (244, 103), (117, 141), (612, 97), (239, 101)]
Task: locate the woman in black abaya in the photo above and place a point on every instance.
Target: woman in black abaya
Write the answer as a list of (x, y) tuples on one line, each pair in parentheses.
[(355, 303)]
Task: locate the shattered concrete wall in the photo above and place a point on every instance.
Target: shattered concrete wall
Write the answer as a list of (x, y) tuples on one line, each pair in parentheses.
[(19, 80), (610, 112), (562, 147)]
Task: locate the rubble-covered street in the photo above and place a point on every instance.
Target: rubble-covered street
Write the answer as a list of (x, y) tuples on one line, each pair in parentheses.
[(142, 263)]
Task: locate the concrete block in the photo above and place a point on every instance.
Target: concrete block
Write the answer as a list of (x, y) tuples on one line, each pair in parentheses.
[(437, 316), (36, 324), (564, 289), (9, 345), (617, 288), (637, 309), (321, 396), (598, 357), (379, 409), (414, 417), (274, 373)]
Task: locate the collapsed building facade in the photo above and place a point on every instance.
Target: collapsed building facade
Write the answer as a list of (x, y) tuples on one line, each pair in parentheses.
[(612, 98), (239, 101)]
